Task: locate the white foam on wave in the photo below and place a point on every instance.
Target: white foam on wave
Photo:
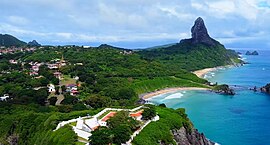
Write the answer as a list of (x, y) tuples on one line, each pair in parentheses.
[(174, 96)]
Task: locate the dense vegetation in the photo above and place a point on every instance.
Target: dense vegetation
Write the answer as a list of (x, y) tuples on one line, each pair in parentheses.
[(191, 57), (120, 127), (160, 131), (34, 124), (109, 77)]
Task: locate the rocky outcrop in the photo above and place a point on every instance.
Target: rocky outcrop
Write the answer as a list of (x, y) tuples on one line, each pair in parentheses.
[(185, 137), (266, 89), (200, 34), (252, 53), (224, 89), (33, 43)]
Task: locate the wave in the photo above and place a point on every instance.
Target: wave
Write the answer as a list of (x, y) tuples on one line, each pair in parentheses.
[(174, 96)]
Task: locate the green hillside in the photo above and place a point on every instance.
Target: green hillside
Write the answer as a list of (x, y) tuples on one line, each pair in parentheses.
[(9, 40), (191, 56)]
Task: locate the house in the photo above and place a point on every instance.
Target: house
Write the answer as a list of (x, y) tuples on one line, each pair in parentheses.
[(103, 121), (33, 73), (92, 123), (12, 61), (74, 92), (70, 87), (87, 125), (35, 68), (52, 66), (57, 75), (137, 115), (51, 88), (4, 98), (76, 78), (86, 46)]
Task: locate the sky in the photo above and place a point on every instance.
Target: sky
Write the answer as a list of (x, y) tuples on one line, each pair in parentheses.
[(136, 23)]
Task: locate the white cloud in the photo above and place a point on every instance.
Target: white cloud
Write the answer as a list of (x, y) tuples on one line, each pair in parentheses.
[(126, 20), (221, 7), (18, 20)]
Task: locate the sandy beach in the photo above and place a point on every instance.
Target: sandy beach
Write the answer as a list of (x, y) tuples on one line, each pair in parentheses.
[(169, 90), (201, 73)]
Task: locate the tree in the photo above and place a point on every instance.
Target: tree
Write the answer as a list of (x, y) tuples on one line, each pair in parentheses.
[(98, 101), (64, 135), (57, 90), (119, 118), (122, 118), (79, 107), (126, 93), (121, 134), (101, 136), (65, 108), (162, 105), (52, 100), (41, 96), (63, 88), (69, 100), (181, 112), (149, 113)]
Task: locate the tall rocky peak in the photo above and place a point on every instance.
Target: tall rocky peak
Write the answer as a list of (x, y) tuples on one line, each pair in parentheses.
[(33, 43), (200, 34)]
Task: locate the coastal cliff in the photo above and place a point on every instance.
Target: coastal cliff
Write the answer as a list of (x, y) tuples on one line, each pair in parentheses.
[(184, 137)]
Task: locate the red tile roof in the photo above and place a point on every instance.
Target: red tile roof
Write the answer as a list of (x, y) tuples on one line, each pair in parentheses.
[(108, 116), (137, 114)]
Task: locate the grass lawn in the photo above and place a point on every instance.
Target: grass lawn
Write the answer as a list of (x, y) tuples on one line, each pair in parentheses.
[(104, 114), (79, 143), (73, 123), (67, 80)]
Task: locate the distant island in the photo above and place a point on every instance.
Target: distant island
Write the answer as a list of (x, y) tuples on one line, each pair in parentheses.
[(44, 86), (252, 53)]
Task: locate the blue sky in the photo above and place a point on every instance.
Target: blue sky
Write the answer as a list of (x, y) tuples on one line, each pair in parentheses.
[(136, 23)]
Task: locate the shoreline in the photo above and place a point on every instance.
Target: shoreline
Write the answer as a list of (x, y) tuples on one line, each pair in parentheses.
[(149, 95), (201, 73)]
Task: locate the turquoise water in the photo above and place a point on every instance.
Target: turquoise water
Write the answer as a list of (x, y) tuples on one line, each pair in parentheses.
[(243, 119)]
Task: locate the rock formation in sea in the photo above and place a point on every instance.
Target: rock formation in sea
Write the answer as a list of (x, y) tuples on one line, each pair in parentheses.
[(200, 34), (252, 53), (266, 89), (193, 137), (224, 89)]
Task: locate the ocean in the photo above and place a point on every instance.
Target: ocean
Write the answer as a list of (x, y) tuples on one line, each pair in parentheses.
[(243, 119)]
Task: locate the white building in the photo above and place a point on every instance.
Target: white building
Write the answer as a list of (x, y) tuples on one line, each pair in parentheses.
[(4, 98), (51, 88)]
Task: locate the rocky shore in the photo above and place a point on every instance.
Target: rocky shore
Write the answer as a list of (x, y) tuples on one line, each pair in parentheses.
[(185, 137)]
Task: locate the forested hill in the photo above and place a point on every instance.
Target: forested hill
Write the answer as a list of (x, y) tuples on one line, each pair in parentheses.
[(200, 51), (9, 40), (192, 56)]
